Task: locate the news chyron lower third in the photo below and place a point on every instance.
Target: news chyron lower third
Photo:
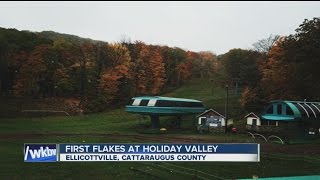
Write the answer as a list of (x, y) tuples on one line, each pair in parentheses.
[(141, 152)]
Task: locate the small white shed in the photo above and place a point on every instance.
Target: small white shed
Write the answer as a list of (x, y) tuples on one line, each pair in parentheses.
[(211, 120), (253, 121)]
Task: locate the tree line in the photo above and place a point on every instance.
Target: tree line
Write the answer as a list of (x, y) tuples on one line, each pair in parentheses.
[(278, 68), (101, 74)]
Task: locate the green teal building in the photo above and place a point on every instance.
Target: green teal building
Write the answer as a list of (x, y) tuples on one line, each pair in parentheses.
[(156, 106), (291, 115)]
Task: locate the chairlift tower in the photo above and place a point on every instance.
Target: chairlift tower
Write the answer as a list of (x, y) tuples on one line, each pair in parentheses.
[(236, 81)]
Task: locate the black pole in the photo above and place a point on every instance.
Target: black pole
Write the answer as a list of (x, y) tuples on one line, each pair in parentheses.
[(212, 87), (225, 110)]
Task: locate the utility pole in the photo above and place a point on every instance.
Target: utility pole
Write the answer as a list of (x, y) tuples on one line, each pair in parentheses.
[(225, 109)]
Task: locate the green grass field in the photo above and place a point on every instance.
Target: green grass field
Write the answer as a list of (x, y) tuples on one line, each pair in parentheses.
[(117, 126)]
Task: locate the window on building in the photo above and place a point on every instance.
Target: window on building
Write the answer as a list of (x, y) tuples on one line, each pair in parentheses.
[(131, 101), (162, 103), (136, 102), (187, 104), (178, 104), (279, 109), (144, 102), (289, 111), (270, 110), (191, 104), (196, 104), (152, 102)]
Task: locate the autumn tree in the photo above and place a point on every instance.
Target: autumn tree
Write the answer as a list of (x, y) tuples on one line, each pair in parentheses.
[(291, 71), (14, 43), (155, 71), (140, 66), (58, 60), (242, 65), (32, 72), (205, 65), (292, 68), (175, 57), (117, 73)]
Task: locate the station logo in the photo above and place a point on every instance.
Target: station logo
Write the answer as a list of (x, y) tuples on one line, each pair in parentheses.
[(40, 152)]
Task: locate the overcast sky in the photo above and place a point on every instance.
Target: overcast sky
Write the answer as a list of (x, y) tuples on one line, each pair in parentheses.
[(196, 26)]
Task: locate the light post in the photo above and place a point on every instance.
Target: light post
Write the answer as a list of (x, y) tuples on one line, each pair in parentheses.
[(225, 109)]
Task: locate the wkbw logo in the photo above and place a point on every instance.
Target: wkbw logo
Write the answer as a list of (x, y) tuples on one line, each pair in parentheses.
[(40, 152)]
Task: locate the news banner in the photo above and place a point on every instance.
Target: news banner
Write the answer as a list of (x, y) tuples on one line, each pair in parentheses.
[(141, 152)]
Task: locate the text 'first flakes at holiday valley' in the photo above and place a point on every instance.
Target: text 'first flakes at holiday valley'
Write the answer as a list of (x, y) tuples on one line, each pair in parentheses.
[(142, 148)]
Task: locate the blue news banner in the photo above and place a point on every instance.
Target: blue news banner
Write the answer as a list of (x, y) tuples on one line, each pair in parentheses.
[(142, 152)]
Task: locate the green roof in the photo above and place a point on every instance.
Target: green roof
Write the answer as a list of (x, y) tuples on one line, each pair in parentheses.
[(300, 109), (278, 118), (166, 98)]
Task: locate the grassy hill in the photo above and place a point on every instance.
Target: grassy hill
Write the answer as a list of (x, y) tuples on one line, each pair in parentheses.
[(117, 126), (113, 121), (211, 94)]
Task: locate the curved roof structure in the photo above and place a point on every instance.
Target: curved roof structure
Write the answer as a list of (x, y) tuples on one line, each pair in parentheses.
[(165, 106), (292, 110), (305, 109)]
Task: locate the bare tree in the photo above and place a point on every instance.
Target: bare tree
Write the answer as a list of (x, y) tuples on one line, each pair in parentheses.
[(264, 45), (124, 39)]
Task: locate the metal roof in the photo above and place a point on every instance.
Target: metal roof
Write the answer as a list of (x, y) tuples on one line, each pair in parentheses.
[(303, 109), (165, 98), (210, 110), (252, 114)]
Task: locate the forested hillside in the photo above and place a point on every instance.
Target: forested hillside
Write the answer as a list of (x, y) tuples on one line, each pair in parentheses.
[(102, 74)]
